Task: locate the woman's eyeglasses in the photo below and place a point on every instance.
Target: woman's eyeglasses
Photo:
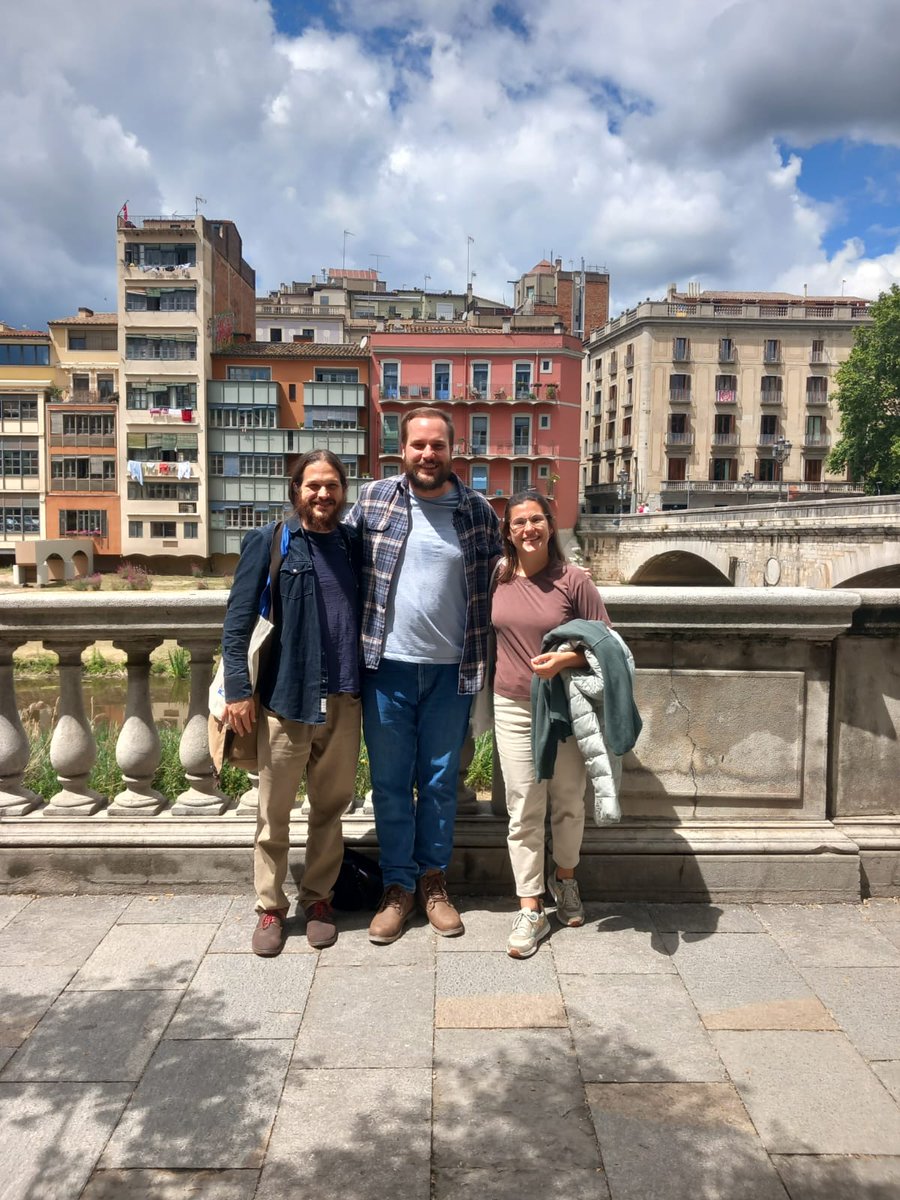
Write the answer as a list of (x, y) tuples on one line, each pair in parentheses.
[(521, 522)]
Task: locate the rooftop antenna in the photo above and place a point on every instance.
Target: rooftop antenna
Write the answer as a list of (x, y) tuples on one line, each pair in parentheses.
[(347, 234), (198, 200), (378, 258), (470, 241)]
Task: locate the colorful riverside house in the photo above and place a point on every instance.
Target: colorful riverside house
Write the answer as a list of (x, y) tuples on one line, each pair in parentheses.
[(513, 395), (26, 377), (268, 403), (84, 481)]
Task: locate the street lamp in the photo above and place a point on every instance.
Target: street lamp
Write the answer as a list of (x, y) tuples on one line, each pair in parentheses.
[(781, 452), (622, 489), (747, 481)]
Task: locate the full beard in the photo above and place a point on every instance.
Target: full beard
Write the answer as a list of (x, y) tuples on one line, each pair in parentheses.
[(319, 522), (428, 483)]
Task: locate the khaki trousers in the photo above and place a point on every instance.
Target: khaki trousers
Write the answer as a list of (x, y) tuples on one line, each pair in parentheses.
[(526, 799), (328, 754)]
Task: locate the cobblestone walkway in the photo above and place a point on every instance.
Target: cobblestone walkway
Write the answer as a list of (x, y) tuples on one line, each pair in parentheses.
[(661, 1052)]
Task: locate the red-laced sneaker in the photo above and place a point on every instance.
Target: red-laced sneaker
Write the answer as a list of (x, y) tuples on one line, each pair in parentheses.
[(268, 936), (321, 930)]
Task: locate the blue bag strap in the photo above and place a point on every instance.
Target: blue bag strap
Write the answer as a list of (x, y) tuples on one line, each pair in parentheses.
[(279, 550)]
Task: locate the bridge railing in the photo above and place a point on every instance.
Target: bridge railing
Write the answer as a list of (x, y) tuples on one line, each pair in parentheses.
[(862, 508)]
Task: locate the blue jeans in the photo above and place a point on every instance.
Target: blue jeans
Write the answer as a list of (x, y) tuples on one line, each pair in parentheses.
[(414, 724)]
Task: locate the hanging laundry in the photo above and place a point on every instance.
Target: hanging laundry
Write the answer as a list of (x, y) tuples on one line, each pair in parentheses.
[(135, 472), (184, 470)]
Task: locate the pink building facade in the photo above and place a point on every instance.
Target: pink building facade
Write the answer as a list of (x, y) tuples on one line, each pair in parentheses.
[(514, 399)]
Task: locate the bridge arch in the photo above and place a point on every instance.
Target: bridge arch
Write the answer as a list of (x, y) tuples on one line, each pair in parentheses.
[(864, 566), (691, 565)]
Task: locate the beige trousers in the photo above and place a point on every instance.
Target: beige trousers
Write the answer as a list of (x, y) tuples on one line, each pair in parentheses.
[(328, 754), (526, 799)]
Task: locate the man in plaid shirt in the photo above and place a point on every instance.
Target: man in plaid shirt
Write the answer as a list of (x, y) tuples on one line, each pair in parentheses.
[(429, 543)]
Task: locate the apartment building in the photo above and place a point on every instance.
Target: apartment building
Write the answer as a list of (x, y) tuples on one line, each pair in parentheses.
[(513, 397), (578, 298), (83, 472), (26, 376), (184, 291), (714, 398), (268, 403)]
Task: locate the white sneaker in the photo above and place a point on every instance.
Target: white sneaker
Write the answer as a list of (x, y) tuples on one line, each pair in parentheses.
[(569, 909), (528, 929)]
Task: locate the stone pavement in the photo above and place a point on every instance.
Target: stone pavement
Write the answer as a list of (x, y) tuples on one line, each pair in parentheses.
[(662, 1051)]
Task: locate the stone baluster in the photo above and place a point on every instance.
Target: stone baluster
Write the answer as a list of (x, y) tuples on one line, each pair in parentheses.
[(73, 749), (466, 799), (15, 798), (138, 745), (248, 805), (202, 798)]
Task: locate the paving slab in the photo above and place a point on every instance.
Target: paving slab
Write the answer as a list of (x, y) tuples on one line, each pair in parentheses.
[(25, 995), (487, 928), (11, 906), (368, 1017), (810, 1093), (6, 1053), (704, 918), (236, 931), (865, 1002), (836, 935), (343, 1133), (509, 1098), (745, 981), (171, 1185), (244, 996), (52, 1133), (630, 1028), (101, 1037), (150, 957), (834, 1177), (680, 1141), (58, 931), (609, 947), (889, 1074), (353, 949), (203, 1104), (515, 1183), (493, 991), (176, 909)]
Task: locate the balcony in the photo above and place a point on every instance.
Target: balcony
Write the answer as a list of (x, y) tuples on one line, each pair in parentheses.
[(334, 395), (679, 439), (767, 439), (772, 397), (816, 441), (87, 440), (726, 396), (817, 357), (727, 354), (155, 469), (83, 485), (88, 396), (629, 361), (514, 449), (732, 438), (679, 395), (816, 398)]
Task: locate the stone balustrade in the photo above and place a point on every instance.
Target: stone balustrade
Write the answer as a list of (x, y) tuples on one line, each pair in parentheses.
[(768, 766)]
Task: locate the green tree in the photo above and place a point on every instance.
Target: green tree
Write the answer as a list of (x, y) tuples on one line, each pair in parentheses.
[(868, 396)]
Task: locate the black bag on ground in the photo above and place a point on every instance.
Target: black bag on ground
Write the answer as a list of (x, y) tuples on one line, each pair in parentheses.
[(359, 884)]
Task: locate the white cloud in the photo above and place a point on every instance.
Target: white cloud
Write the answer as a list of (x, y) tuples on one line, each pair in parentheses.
[(641, 136)]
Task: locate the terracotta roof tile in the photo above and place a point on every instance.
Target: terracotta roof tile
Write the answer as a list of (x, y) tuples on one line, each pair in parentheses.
[(8, 331), (82, 319), (322, 350)]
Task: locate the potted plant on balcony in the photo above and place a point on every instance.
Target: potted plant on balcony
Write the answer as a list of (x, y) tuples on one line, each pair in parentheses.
[(499, 394), (551, 391)]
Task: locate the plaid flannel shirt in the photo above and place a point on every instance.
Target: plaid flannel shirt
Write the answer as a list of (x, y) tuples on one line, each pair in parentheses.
[(381, 514)]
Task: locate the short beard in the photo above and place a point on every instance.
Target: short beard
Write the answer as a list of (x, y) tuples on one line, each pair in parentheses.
[(431, 483), (312, 521)]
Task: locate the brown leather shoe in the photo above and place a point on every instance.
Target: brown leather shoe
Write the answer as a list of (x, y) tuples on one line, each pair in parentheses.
[(396, 907), (268, 936), (436, 905), (321, 930)]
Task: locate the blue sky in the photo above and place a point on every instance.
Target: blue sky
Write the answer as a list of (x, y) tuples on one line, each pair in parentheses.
[(737, 143)]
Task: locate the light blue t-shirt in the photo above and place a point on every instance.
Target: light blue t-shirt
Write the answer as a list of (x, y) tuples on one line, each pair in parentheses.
[(426, 610)]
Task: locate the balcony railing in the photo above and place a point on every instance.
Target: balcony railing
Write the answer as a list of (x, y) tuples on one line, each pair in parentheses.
[(817, 397), (679, 439), (629, 361), (726, 396), (726, 439), (679, 395), (90, 396), (816, 441), (767, 439), (772, 396), (817, 357), (83, 485), (88, 440)]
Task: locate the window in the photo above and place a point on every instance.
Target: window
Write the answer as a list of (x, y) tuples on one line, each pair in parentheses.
[(161, 347), (768, 428), (19, 462), (390, 433), (274, 334), (308, 335), (16, 517), (613, 396), (817, 353), (77, 341), (681, 349), (544, 421), (161, 300), (521, 434), (679, 387), (723, 423), (333, 375), (86, 522), (765, 470), (546, 366), (217, 464), (629, 392), (18, 407), (135, 529), (242, 418), (543, 472), (93, 467), (24, 354), (676, 470), (163, 529), (389, 469), (815, 427), (160, 254), (480, 378), (726, 350), (522, 380), (81, 383), (442, 381), (771, 350), (271, 465), (771, 389), (161, 395), (249, 374), (187, 506), (390, 380), (191, 529), (479, 434), (726, 389), (292, 391), (521, 477), (724, 469), (480, 478), (812, 470), (332, 417), (106, 386), (816, 390), (678, 422)]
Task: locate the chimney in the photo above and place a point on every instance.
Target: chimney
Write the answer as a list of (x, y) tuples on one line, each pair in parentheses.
[(506, 325), (85, 312), (557, 262), (671, 290), (558, 327)]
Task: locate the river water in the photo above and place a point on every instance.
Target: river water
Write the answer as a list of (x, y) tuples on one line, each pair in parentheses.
[(104, 698)]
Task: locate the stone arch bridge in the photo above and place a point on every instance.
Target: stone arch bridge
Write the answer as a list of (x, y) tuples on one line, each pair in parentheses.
[(817, 544)]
